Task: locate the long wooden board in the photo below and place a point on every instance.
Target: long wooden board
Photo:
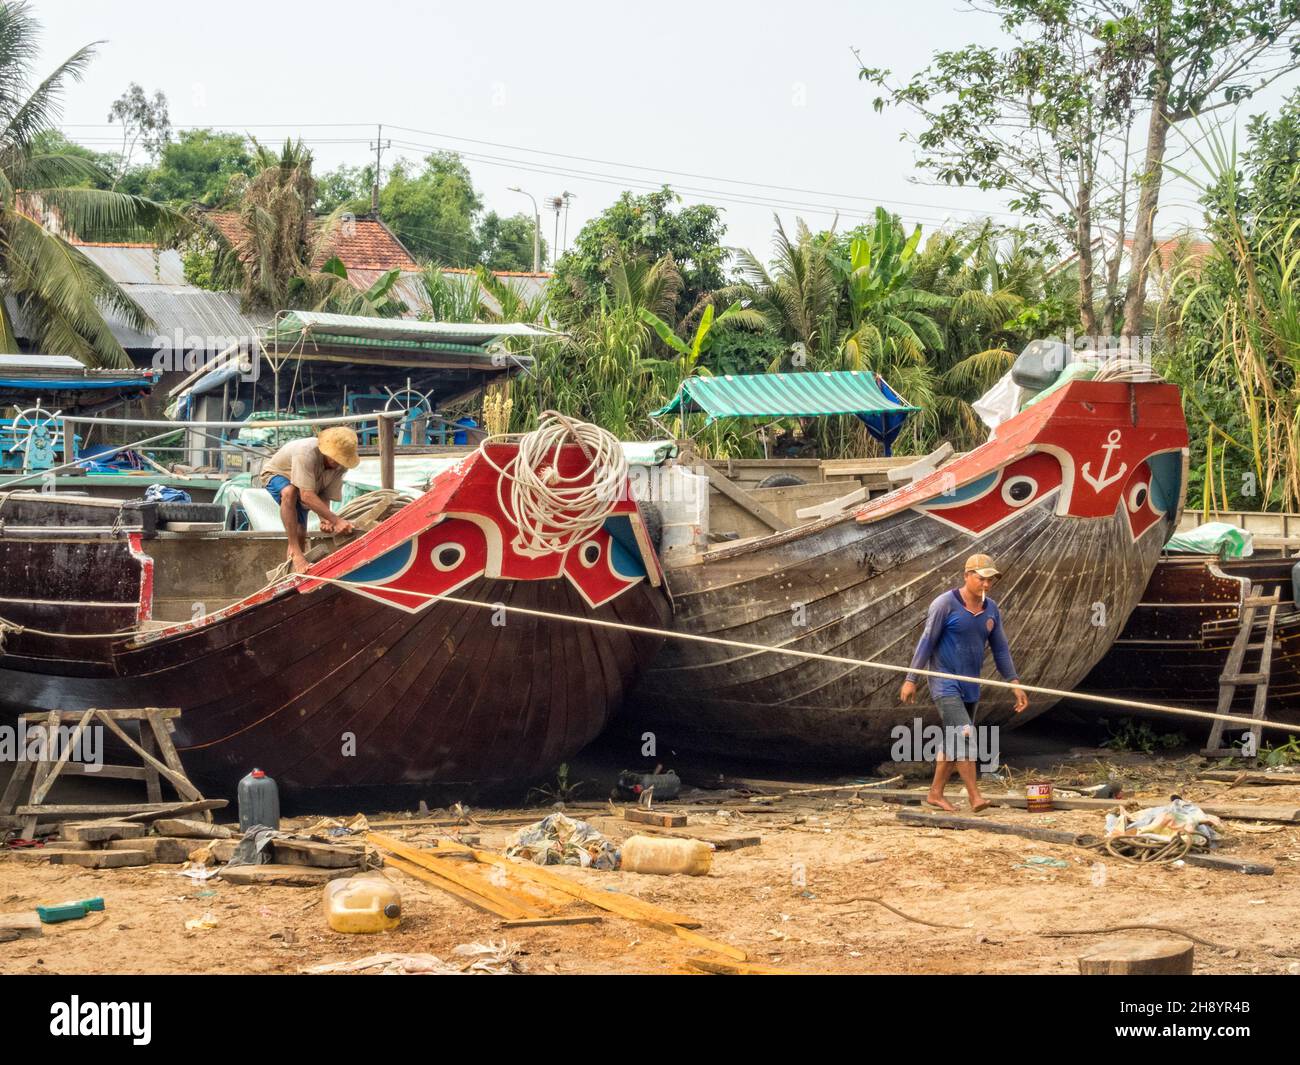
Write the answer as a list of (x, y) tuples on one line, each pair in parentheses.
[(1069, 839)]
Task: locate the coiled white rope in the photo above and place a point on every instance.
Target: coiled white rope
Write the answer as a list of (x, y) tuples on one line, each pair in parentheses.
[(554, 512), (1122, 368)]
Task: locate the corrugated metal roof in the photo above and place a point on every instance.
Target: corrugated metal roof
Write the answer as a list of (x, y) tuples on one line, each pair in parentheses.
[(401, 329), (136, 264), (39, 362), (193, 318), (774, 395)]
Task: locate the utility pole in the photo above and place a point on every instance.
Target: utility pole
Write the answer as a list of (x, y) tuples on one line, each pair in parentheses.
[(567, 196), (537, 229), (556, 204), (378, 148)]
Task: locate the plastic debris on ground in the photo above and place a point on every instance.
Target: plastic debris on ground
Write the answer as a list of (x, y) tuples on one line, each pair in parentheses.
[(332, 828), (255, 846), (1040, 861), (495, 959), (201, 924), (1176, 818), (560, 840)]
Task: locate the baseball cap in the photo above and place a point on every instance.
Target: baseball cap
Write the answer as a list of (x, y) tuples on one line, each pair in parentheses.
[(983, 565)]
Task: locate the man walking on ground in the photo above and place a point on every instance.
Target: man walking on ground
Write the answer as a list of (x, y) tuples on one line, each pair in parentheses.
[(959, 626), (304, 475)]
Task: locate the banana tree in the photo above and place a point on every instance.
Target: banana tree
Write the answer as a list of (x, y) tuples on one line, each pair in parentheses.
[(688, 363)]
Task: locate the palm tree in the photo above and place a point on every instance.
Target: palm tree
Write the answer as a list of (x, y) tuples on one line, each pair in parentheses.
[(58, 294), (799, 295)]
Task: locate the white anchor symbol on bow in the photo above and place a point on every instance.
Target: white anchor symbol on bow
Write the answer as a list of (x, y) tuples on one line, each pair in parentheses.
[(1102, 482)]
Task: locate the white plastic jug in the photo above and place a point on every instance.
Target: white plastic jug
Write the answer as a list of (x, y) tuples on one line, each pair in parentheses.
[(666, 856), (362, 904)]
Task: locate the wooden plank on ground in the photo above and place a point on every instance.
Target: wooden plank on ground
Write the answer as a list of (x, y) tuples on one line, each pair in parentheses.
[(321, 855), (452, 888), (662, 818), (100, 859), (542, 922), (718, 967), (917, 819), (1249, 778), (1228, 811), (451, 822), (185, 829), (22, 925), (280, 875), (458, 873), (624, 905), (723, 841), (101, 831)]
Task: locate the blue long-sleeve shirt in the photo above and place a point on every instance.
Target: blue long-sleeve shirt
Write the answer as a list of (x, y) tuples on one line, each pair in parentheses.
[(953, 642)]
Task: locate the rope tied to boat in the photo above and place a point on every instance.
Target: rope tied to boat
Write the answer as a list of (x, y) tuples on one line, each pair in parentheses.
[(8, 627), (552, 511)]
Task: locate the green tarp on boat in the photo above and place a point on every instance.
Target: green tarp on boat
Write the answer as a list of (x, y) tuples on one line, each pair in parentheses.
[(784, 395)]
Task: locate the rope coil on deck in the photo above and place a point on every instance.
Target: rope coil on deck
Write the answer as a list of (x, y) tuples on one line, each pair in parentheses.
[(555, 512)]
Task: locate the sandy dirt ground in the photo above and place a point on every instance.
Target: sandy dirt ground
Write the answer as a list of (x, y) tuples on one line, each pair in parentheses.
[(788, 903)]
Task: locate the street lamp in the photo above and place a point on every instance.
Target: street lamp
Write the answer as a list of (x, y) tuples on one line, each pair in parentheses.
[(537, 229)]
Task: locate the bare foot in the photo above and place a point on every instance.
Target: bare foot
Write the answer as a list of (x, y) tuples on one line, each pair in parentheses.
[(979, 805), (300, 564), (940, 803)]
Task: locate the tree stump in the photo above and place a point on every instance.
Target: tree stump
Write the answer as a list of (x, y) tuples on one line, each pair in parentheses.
[(1134, 957)]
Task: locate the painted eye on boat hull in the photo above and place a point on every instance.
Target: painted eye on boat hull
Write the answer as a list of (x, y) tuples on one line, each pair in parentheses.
[(446, 557), (589, 554), (1019, 490), (1138, 496)]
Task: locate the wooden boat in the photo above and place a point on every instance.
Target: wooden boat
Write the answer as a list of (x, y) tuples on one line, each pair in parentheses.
[(1073, 498), (364, 682), (1175, 645)]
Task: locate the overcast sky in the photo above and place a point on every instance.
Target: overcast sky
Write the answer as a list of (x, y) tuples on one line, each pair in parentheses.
[(739, 96)]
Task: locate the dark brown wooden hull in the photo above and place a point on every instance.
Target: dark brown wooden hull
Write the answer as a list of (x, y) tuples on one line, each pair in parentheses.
[(1074, 559), (864, 592), (1176, 642), (358, 674), (333, 689)]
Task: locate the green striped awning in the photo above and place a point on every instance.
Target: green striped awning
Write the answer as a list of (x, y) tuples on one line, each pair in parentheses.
[(790, 395)]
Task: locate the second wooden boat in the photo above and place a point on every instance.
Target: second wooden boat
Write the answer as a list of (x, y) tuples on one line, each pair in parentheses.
[(1073, 498)]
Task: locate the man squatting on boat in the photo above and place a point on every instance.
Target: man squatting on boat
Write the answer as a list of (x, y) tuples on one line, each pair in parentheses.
[(304, 475), (960, 624)]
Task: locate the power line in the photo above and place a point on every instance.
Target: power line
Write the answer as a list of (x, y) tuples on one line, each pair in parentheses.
[(637, 183), (625, 166)]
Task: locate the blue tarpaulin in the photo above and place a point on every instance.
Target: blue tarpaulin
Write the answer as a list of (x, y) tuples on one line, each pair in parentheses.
[(885, 426), (32, 384)]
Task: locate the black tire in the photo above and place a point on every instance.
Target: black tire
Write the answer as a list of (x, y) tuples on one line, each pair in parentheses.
[(191, 512), (654, 523), (780, 480)]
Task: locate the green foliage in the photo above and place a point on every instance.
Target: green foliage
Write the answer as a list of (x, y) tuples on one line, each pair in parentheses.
[(1131, 735), (345, 188), (432, 209), (1232, 323), (642, 227), (1281, 754), (198, 166), (145, 124), (97, 166), (507, 243), (563, 790), (59, 293)]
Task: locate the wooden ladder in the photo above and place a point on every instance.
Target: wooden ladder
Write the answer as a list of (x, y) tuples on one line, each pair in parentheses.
[(156, 726), (1233, 677)]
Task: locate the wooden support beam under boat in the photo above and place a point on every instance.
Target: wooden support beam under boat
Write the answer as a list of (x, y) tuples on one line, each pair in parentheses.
[(744, 500)]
